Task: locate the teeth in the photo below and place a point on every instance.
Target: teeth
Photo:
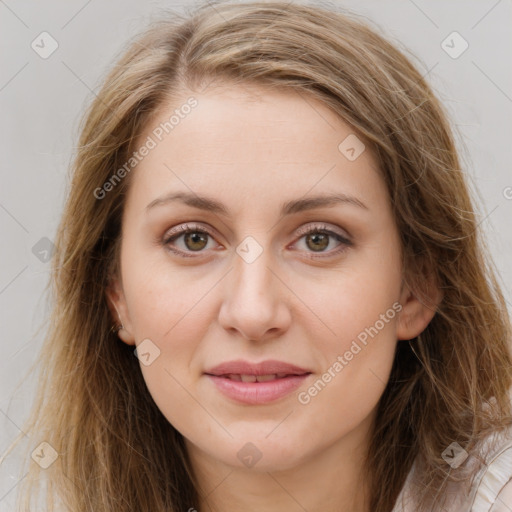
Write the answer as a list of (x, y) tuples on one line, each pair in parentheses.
[(254, 378), (265, 378)]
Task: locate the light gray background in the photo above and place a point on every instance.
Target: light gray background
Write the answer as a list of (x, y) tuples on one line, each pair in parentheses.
[(41, 101)]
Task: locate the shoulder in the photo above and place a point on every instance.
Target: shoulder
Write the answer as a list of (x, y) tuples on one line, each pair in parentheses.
[(492, 487)]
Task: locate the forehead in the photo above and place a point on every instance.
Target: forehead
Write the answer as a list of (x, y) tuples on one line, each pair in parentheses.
[(252, 142)]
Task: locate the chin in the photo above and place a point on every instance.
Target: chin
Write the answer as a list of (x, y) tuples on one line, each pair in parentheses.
[(260, 454)]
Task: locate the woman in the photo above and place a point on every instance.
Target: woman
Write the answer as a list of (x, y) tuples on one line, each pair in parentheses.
[(267, 209)]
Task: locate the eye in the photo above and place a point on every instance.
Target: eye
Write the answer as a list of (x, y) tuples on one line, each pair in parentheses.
[(317, 238), (194, 239)]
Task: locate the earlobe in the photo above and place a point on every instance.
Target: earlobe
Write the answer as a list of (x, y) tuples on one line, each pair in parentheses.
[(119, 311), (126, 336), (417, 313)]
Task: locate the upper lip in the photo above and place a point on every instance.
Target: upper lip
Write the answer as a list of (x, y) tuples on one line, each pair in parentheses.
[(269, 367)]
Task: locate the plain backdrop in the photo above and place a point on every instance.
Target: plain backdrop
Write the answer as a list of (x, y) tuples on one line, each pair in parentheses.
[(41, 100)]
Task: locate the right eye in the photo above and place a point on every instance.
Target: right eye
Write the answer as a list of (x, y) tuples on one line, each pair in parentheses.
[(194, 239)]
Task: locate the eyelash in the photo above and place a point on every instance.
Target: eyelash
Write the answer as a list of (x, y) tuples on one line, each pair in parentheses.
[(312, 229)]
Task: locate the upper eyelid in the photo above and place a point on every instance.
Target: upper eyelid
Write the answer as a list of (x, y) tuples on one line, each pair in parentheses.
[(187, 226), (311, 226), (299, 232), (322, 226)]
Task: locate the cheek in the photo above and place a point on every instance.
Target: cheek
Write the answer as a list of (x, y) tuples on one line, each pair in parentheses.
[(356, 372), (165, 308), (168, 310), (354, 299), (359, 311), (161, 298)]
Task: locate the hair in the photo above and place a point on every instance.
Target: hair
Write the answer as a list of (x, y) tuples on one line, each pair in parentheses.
[(117, 452)]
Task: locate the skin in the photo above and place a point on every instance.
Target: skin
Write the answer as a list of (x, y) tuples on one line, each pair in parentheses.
[(253, 149)]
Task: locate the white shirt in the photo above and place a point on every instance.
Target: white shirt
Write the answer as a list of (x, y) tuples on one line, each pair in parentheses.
[(491, 488)]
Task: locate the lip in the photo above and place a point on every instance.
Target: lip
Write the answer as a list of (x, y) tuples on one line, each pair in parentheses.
[(254, 393), (257, 393), (268, 367)]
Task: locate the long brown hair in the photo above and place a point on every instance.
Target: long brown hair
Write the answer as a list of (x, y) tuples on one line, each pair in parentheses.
[(116, 450)]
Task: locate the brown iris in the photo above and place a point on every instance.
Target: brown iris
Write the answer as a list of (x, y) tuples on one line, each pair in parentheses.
[(321, 239), (197, 240)]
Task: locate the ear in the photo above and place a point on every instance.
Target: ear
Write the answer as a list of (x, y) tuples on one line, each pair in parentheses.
[(119, 310), (417, 312)]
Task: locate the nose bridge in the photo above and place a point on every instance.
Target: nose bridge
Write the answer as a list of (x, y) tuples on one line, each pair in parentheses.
[(252, 277), (252, 303)]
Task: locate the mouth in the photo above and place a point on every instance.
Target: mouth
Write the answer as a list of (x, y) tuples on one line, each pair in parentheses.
[(253, 390), (257, 378), (254, 383)]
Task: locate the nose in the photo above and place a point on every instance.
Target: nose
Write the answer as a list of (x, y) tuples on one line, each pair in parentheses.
[(255, 301)]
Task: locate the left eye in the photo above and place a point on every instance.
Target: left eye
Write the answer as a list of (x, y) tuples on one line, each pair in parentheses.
[(316, 238)]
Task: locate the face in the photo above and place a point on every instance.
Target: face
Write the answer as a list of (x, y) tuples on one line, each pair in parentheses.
[(243, 265)]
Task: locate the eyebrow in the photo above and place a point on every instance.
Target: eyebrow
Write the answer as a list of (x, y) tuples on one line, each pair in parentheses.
[(287, 208)]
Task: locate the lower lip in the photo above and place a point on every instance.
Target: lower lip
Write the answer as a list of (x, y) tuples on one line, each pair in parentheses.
[(255, 393)]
